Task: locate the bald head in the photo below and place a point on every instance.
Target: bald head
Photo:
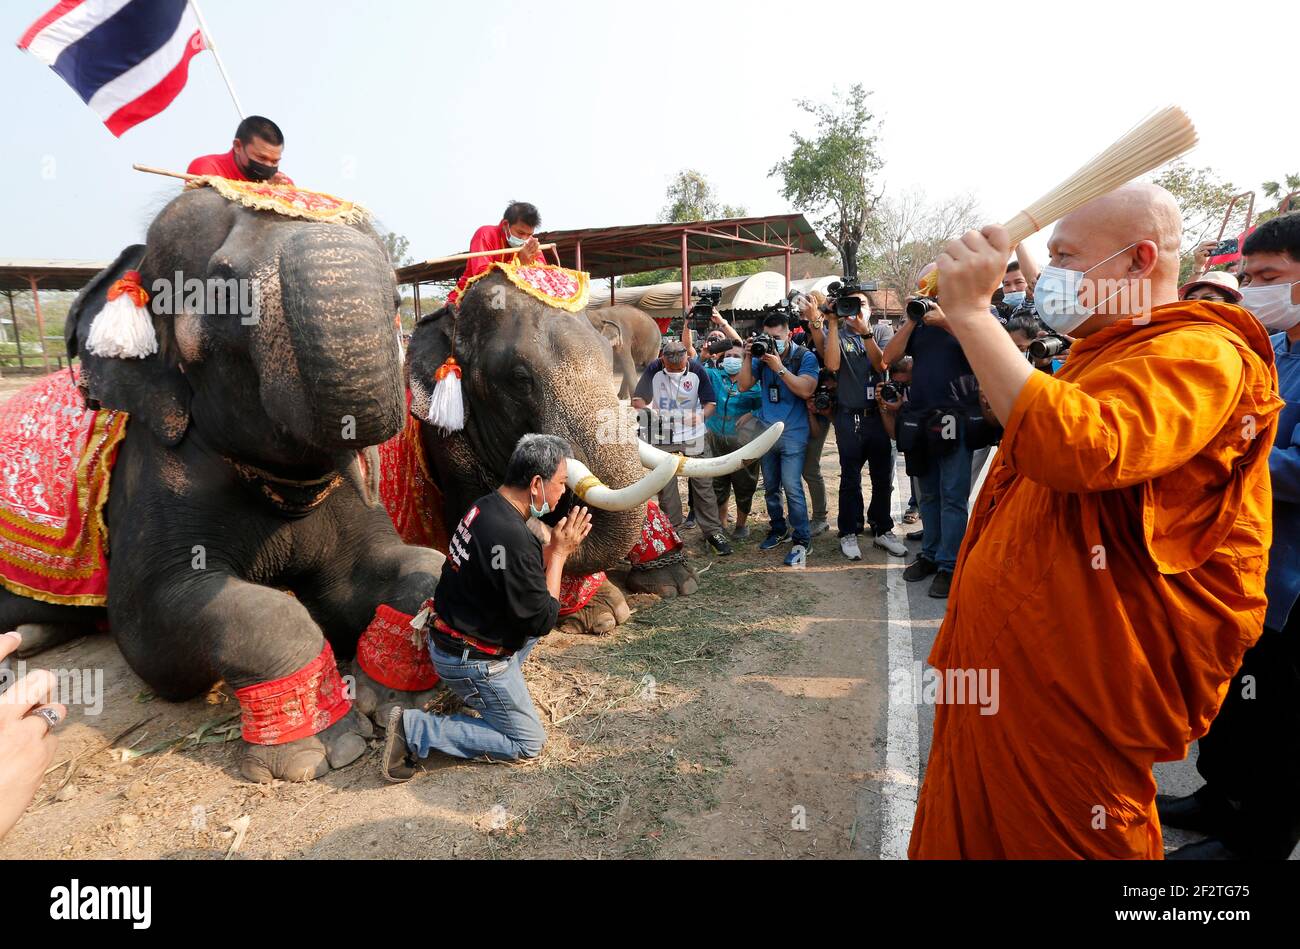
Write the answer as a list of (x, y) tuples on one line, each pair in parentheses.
[(1131, 235)]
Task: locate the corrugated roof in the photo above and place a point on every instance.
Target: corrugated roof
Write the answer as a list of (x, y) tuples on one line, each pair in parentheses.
[(16, 273), (615, 251)]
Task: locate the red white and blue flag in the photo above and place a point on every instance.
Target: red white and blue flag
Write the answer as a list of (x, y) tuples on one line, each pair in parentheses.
[(127, 59)]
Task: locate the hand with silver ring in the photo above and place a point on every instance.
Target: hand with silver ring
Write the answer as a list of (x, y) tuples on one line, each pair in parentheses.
[(27, 744)]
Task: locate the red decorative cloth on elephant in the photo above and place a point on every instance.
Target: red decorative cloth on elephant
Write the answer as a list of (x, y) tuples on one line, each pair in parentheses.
[(56, 457), (299, 705), (559, 287), (288, 200), (657, 537), (408, 491), (392, 652), (576, 592)]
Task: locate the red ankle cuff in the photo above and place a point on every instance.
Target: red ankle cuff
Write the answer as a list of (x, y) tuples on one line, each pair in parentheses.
[(392, 653), (299, 705)]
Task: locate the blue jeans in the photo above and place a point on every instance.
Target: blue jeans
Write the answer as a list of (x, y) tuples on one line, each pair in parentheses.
[(783, 468), (945, 495), (509, 728)]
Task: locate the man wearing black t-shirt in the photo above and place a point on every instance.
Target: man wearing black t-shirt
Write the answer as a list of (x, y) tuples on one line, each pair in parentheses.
[(498, 594)]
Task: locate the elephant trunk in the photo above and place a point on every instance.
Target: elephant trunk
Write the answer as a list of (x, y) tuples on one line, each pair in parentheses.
[(337, 292)]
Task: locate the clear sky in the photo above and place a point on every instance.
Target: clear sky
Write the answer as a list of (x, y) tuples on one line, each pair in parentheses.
[(435, 114)]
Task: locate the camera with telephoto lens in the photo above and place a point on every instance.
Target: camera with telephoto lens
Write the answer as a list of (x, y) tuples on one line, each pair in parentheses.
[(916, 309), (1048, 347), (761, 345), (842, 299), (890, 392), (719, 346)]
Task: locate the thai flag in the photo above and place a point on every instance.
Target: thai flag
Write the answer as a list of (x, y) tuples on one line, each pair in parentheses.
[(127, 59)]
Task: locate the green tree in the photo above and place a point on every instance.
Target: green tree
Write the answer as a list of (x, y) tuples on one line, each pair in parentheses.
[(1203, 199), (831, 175), (691, 198), (397, 247), (1278, 191)]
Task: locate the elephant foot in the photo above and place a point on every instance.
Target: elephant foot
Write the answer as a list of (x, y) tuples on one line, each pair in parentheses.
[(308, 758), (604, 611), (668, 580), (39, 637), (373, 699)]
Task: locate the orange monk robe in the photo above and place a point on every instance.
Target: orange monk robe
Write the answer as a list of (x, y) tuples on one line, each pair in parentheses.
[(1113, 574)]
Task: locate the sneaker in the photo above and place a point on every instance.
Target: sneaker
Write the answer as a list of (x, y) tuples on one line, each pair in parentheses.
[(849, 547), (718, 541), (887, 541), (689, 522), (398, 764), (919, 569), (941, 584), (774, 540), (911, 516), (916, 535), (819, 527), (740, 533), (797, 556)]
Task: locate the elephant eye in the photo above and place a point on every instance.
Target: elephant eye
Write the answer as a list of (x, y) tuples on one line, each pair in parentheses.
[(522, 377)]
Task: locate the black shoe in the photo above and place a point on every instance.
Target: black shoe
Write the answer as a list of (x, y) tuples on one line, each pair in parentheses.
[(941, 584), (919, 569), (1210, 849), (718, 541), (398, 765), (1192, 812)]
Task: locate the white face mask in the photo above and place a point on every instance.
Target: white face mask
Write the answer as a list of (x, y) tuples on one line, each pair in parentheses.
[(1272, 306), (515, 241), (1057, 295)]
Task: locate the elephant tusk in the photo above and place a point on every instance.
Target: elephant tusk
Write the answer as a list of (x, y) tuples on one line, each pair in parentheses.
[(595, 493), (651, 457)]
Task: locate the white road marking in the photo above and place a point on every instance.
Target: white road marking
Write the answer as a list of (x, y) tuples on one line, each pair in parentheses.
[(902, 749)]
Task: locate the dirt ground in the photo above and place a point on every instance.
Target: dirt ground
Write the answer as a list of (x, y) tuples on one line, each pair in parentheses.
[(707, 726)]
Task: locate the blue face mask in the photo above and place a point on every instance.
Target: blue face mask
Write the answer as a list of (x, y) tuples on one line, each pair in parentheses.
[(515, 241), (546, 505), (731, 365), (780, 345), (1014, 300)]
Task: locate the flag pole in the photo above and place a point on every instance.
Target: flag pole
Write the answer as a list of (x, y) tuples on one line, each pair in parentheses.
[(207, 39)]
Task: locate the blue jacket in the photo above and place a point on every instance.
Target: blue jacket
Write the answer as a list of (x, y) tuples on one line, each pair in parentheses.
[(1283, 581), (732, 403)]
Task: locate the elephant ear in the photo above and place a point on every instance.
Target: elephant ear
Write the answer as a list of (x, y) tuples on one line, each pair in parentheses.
[(152, 389), (429, 348)]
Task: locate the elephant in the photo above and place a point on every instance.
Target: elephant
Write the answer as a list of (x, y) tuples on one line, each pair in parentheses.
[(528, 367), (634, 338), (244, 545)]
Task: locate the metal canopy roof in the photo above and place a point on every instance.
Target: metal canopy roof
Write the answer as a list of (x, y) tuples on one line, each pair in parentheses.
[(615, 251), (49, 274)]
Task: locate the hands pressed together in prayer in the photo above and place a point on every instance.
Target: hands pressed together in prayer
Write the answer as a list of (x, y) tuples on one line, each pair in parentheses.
[(27, 743)]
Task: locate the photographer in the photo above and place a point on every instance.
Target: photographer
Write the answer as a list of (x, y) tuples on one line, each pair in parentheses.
[(682, 394), (932, 435), (820, 418), (1024, 328), (854, 355), (726, 433), (786, 375)]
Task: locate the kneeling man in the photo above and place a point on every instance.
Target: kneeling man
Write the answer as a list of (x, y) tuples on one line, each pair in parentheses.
[(498, 595)]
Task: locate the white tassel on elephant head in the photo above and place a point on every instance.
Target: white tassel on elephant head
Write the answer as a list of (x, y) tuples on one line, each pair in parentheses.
[(123, 329), (447, 404)]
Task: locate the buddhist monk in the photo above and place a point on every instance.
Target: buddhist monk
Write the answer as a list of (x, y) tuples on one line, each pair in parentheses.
[(1113, 570)]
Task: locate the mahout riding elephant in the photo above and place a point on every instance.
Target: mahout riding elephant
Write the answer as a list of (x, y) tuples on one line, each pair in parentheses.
[(634, 338), (529, 367), (244, 547)]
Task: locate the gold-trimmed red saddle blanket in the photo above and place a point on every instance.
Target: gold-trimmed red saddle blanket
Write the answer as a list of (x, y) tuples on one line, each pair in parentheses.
[(56, 457), (555, 286)]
